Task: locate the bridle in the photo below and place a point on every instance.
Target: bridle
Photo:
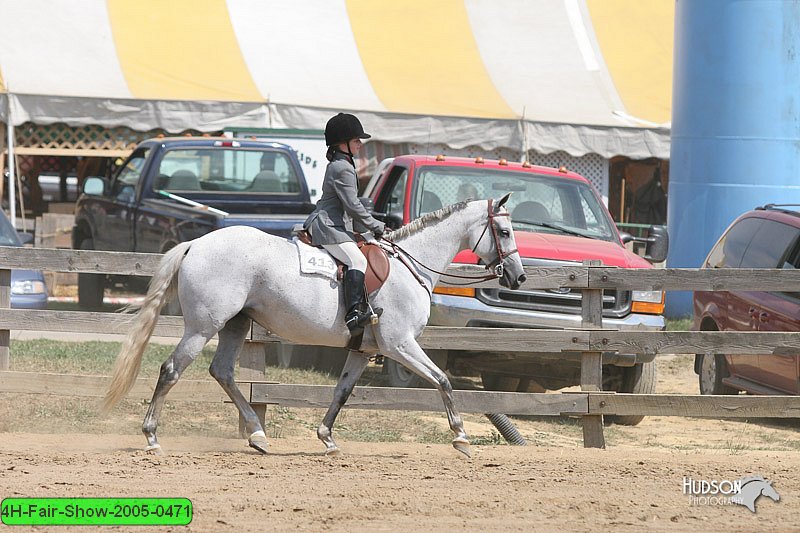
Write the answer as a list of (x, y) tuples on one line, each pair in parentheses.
[(495, 268), (497, 264)]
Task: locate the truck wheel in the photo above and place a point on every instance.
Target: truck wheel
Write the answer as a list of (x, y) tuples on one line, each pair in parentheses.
[(329, 359), (90, 286), (499, 382), (713, 368), (637, 379), (503, 383), (293, 356), (400, 376)]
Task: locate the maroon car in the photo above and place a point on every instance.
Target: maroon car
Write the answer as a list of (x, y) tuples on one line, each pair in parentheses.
[(766, 237)]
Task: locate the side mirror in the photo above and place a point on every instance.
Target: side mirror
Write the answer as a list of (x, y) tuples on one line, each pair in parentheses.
[(394, 220), (657, 244), (95, 186), (25, 237), (626, 237), (367, 202)]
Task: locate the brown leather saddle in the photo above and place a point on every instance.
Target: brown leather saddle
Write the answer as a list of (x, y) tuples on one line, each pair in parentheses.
[(377, 262)]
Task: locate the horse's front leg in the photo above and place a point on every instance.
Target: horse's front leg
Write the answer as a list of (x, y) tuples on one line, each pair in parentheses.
[(413, 357), (353, 368)]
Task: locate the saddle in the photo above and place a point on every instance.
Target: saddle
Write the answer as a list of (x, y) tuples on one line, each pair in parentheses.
[(377, 261)]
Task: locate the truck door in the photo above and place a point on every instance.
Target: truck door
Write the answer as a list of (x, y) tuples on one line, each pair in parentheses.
[(392, 198), (114, 224), (778, 311)]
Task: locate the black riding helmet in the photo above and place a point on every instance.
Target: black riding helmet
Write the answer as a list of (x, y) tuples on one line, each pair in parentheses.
[(342, 128)]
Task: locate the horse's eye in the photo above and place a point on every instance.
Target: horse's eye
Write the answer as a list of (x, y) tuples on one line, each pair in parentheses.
[(505, 233)]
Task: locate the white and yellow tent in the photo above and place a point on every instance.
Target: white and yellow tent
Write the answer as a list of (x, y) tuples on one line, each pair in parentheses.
[(583, 76)]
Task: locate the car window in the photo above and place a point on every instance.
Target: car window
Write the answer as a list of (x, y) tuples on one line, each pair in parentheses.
[(730, 248), (8, 235), (393, 196), (793, 262), (770, 246), (540, 203), (125, 183), (227, 170)]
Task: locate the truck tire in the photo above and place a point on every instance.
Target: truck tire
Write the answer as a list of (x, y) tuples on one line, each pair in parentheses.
[(713, 368), (637, 379), (504, 383), (499, 382), (400, 376), (329, 359), (90, 286)]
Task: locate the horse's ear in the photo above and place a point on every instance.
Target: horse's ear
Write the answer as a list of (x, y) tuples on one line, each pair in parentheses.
[(501, 202)]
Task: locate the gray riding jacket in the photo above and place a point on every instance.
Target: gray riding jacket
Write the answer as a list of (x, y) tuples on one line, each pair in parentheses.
[(327, 223)]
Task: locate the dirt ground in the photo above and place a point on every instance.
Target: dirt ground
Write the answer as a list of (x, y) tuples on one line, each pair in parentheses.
[(552, 484)]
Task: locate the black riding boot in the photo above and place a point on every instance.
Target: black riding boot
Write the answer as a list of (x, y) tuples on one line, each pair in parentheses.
[(355, 298)]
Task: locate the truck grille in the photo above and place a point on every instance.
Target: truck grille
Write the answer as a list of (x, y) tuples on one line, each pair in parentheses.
[(616, 303)]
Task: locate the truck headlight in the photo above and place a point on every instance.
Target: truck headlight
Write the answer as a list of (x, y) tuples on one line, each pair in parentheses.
[(650, 302), (28, 287)]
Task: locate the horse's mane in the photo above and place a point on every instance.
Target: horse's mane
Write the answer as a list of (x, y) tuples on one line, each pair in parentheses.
[(418, 224)]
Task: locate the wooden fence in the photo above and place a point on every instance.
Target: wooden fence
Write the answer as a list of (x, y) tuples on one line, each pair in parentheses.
[(592, 340)]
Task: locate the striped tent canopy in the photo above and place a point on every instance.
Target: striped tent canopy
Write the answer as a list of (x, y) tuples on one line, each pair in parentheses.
[(583, 76)]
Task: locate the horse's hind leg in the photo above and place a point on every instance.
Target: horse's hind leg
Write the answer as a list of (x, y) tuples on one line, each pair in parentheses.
[(231, 340), (412, 356), (186, 351), (353, 368)]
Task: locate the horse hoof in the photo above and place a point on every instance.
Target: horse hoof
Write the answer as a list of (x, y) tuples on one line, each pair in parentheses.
[(258, 441), (333, 452), (154, 449), (462, 445)]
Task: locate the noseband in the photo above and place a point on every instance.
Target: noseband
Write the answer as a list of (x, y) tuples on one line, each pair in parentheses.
[(497, 264)]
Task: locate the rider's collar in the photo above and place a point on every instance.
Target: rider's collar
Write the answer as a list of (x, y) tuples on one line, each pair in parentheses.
[(339, 155)]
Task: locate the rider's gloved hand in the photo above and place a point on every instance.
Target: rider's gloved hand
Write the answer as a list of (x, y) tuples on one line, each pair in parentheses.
[(378, 231)]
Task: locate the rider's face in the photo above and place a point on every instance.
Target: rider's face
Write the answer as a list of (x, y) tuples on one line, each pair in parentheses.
[(354, 145)]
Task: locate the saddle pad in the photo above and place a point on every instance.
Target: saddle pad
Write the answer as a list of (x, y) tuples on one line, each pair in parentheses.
[(315, 260)]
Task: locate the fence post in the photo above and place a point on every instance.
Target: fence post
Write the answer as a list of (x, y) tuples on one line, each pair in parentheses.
[(252, 367), (5, 302), (592, 362)]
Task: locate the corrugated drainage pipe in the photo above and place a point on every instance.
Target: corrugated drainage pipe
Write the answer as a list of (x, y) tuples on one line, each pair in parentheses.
[(507, 429)]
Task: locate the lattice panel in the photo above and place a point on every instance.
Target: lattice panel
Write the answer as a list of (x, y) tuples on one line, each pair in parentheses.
[(469, 151), (591, 166), (62, 136)]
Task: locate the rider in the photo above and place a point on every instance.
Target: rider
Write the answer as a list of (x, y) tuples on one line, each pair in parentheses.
[(343, 134)]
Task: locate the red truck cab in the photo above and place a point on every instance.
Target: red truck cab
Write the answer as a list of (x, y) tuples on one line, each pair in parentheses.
[(559, 219)]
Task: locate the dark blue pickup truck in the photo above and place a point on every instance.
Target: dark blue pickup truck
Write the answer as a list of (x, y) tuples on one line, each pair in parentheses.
[(172, 190)]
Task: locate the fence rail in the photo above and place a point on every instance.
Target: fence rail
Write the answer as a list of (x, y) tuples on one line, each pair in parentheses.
[(590, 340)]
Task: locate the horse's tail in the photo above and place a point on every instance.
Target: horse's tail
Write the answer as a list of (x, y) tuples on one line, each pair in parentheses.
[(162, 288)]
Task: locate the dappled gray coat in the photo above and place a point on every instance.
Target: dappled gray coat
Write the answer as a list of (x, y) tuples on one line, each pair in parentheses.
[(339, 196)]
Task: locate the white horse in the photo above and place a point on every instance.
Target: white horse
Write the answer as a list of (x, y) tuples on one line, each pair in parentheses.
[(230, 276)]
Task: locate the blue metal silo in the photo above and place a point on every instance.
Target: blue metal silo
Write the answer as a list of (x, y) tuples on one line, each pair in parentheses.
[(735, 120)]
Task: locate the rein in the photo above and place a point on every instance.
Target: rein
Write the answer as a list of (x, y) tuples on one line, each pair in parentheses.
[(496, 266)]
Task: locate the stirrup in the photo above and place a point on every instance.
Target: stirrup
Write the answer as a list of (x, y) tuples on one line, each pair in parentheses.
[(357, 321)]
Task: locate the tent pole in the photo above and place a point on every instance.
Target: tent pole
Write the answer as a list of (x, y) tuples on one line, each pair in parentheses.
[(524, 137), (12, 173)]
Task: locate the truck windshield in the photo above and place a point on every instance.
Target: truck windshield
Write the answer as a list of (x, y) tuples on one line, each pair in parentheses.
[(540, 203), (226, 170)]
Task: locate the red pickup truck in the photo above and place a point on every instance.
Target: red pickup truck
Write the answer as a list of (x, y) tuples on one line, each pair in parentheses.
[(559, 219)]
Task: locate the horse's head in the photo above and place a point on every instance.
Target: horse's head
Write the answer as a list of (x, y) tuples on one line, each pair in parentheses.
[(499, 251), (769, 491)]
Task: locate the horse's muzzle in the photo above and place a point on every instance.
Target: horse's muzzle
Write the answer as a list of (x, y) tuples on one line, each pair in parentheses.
[(508, 281)]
